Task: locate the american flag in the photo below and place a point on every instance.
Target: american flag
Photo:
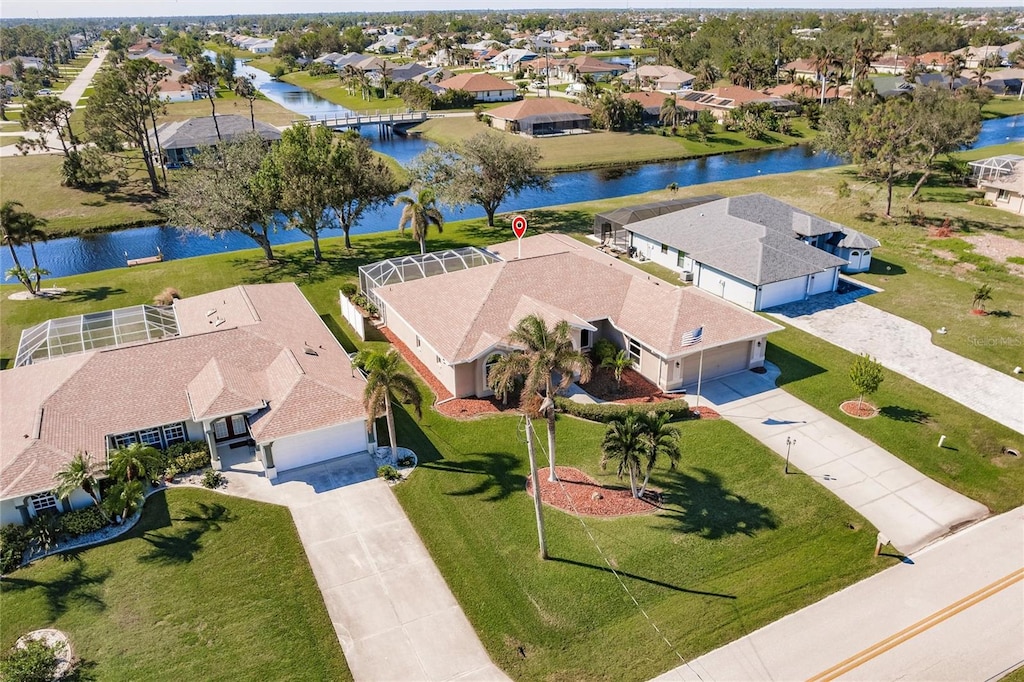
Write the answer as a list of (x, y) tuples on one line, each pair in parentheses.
[(692, 338)]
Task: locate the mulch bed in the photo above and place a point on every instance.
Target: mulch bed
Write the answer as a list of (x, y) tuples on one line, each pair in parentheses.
[(582, 488), (634, 388), (436, 386), (861, 411), (705, 412)]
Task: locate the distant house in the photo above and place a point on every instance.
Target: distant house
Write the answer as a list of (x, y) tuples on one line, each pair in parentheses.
[(172, 91), (512, 59), (720, 101), (653, 102), (262, 46), (1006, 81), (659, 77), (801, 68), (181, 139), (483, 86), (892, 64), (792, 91), (753, 250), (976, 56), (590, 66), (933, 61), (541, 116), (1002, 178)]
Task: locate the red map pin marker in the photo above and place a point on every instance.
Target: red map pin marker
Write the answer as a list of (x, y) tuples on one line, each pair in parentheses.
[(519, 226)]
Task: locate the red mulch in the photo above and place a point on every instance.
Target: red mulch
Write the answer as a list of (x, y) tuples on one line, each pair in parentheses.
[(862, 411), (705, 412), (634, 388), (581, 488), (436, 386)]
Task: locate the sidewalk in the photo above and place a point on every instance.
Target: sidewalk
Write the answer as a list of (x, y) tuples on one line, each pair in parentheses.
[(907, 506), (952, 613), (394, 615), (907, 348)]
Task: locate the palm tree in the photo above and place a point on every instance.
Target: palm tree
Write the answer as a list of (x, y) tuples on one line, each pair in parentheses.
[(981, 75), (705, 74), (981, 294), (18, 228), (126, 497), (618, 363), (624, 443), (79, 472), (670, 113), (133, 462), (244, 88), (660, 438), (385, 384), (419, 213), (545, 352), (955, 64)]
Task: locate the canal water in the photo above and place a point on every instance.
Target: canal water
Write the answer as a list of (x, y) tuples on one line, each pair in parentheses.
[(74, 255)]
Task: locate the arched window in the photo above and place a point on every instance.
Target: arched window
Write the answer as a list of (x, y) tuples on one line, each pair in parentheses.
[(855, 253)]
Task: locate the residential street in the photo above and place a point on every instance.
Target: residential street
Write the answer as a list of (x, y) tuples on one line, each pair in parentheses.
[(951, 612)]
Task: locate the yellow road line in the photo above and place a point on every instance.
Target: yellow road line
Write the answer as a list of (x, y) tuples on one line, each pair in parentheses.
[(917, 628)]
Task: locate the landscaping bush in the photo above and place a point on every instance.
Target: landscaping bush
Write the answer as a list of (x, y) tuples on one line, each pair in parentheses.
[(213, 479), (605, 412), (348, 289), (44, 532), (188, 456), (13, 543), (35, 662), (603, 350), (82, 521), (167, 296), (388, 473)]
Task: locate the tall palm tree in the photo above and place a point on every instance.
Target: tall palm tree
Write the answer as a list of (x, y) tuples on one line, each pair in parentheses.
[(419, 213), (669, 113), (705, 73), (133, 462), (79, 472), (18, 228), (624, 443), (385, 384), (954, 66), (660, 438), (544, 352), (981, 75)]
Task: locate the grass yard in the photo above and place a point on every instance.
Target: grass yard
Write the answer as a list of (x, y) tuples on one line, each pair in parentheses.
[(999, 107), (912, 419), (330, 88), (206, 587)]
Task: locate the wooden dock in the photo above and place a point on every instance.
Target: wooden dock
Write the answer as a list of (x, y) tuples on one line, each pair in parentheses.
[(132, 262)]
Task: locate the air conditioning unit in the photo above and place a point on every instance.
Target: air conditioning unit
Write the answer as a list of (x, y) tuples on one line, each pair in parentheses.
[(687, 276)]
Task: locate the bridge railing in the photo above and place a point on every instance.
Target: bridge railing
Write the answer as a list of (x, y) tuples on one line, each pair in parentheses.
[(367, 117)]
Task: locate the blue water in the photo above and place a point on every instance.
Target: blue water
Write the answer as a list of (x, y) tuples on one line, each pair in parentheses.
[(74, 255)]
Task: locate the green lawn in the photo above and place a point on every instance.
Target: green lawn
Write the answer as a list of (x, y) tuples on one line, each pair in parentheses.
[(206, 587), (330, 88), (998, 107)]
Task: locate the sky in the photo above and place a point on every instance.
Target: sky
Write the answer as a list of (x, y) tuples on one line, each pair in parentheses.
[(134, 8)]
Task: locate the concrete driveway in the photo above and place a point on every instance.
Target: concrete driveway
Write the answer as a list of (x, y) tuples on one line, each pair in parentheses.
[(904, 504), (394, 615), (907, 348)]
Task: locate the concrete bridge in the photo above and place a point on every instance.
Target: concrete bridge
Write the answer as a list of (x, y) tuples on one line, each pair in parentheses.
[(385, 120)]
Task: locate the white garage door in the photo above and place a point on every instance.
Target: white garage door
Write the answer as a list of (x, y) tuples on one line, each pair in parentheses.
[(786, 291), (318, 446), (717, 362)]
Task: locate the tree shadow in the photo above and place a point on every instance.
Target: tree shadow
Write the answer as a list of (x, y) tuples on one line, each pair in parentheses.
[(540, 220), (649, 581), (905, 414), (712, 512), (74, 589), (182, 541), (793, 367), (495, 471), (881, 267), (92, 294), (1001, 313)]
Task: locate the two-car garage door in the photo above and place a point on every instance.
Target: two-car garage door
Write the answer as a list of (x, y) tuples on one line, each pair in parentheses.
[(318, 446), (720, 361)]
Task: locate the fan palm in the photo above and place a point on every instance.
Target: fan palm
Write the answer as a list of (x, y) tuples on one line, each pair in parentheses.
[(385, 383), (79, 472), (419, 213), (955, 64), (18, 228), (545, 352), (660, 438), (625, 444), (670, 112), (133, 462)]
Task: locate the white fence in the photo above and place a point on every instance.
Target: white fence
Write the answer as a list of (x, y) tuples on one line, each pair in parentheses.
[(354, 316)]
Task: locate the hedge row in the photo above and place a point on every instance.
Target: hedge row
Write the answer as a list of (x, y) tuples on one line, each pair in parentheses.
[(605, 412)]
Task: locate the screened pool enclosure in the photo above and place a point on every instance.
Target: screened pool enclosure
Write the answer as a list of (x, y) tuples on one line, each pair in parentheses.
[(408, 268)]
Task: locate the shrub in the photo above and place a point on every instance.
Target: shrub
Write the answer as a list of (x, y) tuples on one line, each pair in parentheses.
[(348, 289), (82, 521), (406, 462), (843, 189), (35, 662), (187, 456), (13, 543), (167, 296), (603, 350), (44, 532), (213, 479), (388, 473), (605, 412)]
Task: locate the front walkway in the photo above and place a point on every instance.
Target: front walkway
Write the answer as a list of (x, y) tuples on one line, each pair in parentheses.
[(907, 348), (394, 615), (904, 504)]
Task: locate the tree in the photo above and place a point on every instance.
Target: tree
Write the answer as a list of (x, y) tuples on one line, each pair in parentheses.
[(5, 96), (624, 443), (670, 113), (231, 188), (386, 384), (981, 294), (705, 75), (943, 123), (485, 170), (419, 213), (866, 376), (659, 438), (544, 351), (981, 76), (618, 363), (18, 228), (48, 116), (124, 498), (133, 462), (954, 66), (245, 89), (226, 65), (204, 75), (79, 472), (704, 124)]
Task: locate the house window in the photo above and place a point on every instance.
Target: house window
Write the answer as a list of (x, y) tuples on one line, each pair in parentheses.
[(680, 257), (634, 351), (220, 429), (42, 503), (585, 339), (174, 433), (123, 440), (238, 424), (664, 248), (1004, 195), (150, 437), (492, 360), (855, 253)]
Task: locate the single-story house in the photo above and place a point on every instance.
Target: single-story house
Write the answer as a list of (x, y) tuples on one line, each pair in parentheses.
[(559, 278), (483, 86), (172, 90), (512, 59), (584, 65), (659, 77), (652, 103), (608, 226), (541, 116), (253, 370), (719, 101), (1002, 178), (181, 139), (753, 250), (802, 68), (976, 56), (1006, 82)]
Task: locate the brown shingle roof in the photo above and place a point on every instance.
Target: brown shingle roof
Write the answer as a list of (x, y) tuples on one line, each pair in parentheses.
[(537, 106), (476, 82), (257, 354)]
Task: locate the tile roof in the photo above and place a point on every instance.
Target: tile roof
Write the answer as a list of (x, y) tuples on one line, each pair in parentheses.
[(538, 106), (752, 237), (558, 276), (271, 349), (476, 82)]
